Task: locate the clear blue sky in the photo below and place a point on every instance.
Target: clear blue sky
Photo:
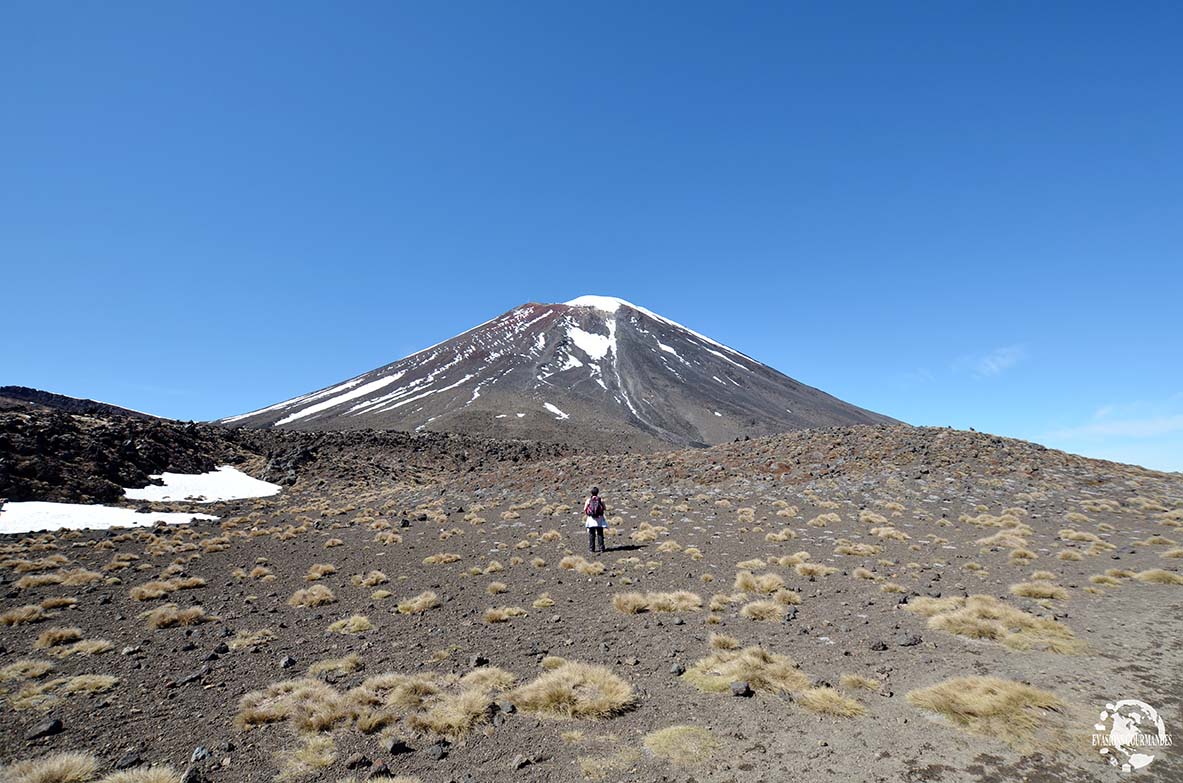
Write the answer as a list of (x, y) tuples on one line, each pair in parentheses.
[(956, 213)]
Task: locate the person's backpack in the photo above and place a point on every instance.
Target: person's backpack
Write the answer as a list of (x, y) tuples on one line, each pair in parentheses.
[(595, 507)]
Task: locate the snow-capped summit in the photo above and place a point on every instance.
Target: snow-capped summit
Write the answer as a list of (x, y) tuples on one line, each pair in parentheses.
[(596, 369)]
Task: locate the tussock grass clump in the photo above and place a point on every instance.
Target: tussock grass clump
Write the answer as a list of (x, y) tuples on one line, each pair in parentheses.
[(855, 549), (55, 768), (249, 639), (581, 565), (682, 746), (172, 616), (575, 690), (890, 533), (1010, 711), (340, 666), (317, 595), (827, 701), (1039, 590), (314, 753), (158, 589), (371, 579), (25, 669), (780, 536), (763, 584), (761, 669), (1159, 576), (985, 617), (354, 624), (635, 603), (543, 601), (309, 704), (441, 559), (811, 570), (143, 775), (318, 571), (420, 603), (719, 641), (503, 614), (763, 611), (83, 647), (496, 588), (52, 637), (22, 615), (748, 565), (857, 682)]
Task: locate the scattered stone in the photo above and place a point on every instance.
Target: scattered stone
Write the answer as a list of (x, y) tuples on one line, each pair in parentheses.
[(128, 760), (46, 729), (879, 646), (477, 661), (396, 747), (908, 640), (520, 761), (677, 670), (287, 662), (199, 754), (357, 760), (741, 689), (438, 751)]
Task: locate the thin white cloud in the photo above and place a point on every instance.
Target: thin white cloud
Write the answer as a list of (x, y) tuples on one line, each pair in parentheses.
[(1105, 427), (993, 363)]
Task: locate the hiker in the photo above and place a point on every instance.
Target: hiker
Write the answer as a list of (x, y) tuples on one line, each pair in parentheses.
[(594, 512)]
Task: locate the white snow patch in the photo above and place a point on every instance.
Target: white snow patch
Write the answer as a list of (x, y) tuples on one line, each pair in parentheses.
[(296, 400), (520, 415), (596, 346), (718, 414), (558, 413), (717, 378), (225, 483), (540, 341), (25, 517), (611, 304), (571, 363), (352, 394), (500, 415)]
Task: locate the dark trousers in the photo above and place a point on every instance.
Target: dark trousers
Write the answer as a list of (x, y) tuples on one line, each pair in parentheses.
[(595, 534)]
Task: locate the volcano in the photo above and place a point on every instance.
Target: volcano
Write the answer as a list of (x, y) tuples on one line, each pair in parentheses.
[(596, 369)]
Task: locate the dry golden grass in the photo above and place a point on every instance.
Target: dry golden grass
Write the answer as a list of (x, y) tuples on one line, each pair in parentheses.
[(890, 533), (250, 639), (503, 614), (354, 624), (1010, 711), (682, 746), (857, 682), (763, 611), (52, 637), (172, 616), (370, 579), (1159, 576), (827, 701), (763, 584), (420, 603), (761, 669), (581, 565), (543, 601), (158, 589), (854, 549), (985, 617), (811, 570), (143, 775), (310, 705), (319, 571), (1039, 590), (613, 765), (496, 588), (22, 615), (575, 690), (54, 768), (340, 666), (720, 641), (83, 647), (635, 603), (314, 753), (441, 559), (317, 595), (25, 669), (155, 774)]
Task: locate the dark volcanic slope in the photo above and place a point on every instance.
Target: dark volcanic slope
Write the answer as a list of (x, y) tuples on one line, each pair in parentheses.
[(595, 370), (24, 397)]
